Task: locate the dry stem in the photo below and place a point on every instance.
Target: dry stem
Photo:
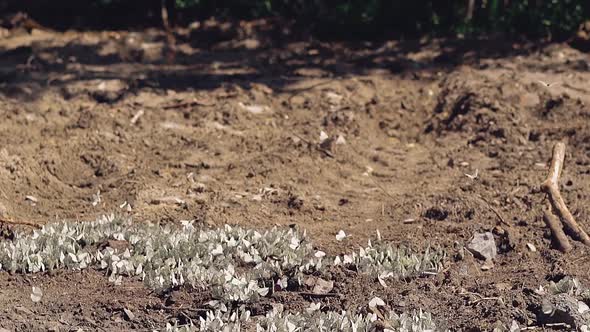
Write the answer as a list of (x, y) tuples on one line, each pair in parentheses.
[(551, 187)]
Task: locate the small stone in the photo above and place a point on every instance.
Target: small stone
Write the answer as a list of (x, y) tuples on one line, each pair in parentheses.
[(483, 246), (488, 265), (531, 247), (129, 314)]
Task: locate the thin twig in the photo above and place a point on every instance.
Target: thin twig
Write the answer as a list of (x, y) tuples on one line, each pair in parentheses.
[(378, 185), (481, 298), (551, 187), (496, 212), (319, 295), (326, 152)]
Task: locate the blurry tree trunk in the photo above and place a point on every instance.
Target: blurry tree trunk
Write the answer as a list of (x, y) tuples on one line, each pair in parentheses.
[(169, 33), (470, 10)]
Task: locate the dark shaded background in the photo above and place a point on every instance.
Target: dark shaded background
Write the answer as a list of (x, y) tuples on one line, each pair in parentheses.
[(336, 18)]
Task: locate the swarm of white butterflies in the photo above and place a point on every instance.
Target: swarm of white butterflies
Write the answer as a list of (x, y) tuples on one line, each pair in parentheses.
[(168, 256), (312, 320)]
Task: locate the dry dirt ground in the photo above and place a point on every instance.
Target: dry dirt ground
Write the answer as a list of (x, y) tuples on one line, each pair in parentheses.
[(230, 131)]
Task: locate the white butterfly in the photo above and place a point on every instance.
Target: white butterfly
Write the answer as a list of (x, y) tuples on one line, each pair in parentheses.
[(37, 294), (472, 176), (547, 84)]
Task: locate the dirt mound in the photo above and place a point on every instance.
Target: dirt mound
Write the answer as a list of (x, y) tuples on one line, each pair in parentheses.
[(487, 109)]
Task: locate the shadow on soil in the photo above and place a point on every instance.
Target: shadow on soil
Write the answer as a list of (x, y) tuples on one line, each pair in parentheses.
[(216, 55)]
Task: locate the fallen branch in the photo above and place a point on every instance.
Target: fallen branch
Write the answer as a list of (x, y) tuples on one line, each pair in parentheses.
[(551, 187), (24, 223), (556, 229)]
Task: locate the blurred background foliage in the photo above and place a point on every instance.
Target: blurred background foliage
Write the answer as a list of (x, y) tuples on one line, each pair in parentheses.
[(533, 18)]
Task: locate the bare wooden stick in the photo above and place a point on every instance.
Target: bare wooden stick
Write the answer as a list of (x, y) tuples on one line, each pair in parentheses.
[(310, 294), (193, 102), (24, 223), (551, 187), (556, 229)]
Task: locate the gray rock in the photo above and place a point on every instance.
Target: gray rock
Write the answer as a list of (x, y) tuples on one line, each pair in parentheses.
[(564, 309), (483, 246)]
